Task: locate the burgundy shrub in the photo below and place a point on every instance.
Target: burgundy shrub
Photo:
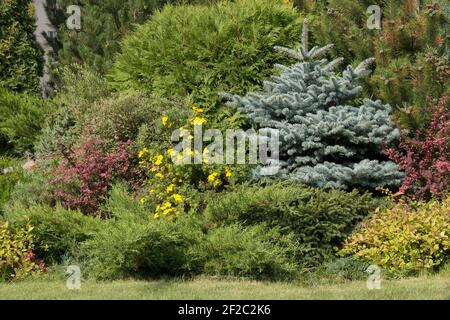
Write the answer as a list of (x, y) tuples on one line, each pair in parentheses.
[(425, 158), (85, 174)]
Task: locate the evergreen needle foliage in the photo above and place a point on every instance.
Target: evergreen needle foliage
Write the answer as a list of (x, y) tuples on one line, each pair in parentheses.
[(328, 136), (20, 58)]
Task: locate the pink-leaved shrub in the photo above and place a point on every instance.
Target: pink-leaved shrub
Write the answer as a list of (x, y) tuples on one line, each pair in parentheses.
[(85, 173), (425, 157)]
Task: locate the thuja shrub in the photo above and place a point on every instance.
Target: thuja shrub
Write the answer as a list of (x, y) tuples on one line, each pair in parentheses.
[(198, 51), (404, 239), (85, 173), (425, 158), (20, 54), (320, 220), (17, 259)]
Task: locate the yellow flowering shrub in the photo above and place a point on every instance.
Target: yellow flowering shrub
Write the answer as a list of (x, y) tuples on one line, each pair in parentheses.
[(405, 238), (167, 180)]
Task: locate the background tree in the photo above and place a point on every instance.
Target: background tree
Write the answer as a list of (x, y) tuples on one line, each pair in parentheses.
[(103, 25), (412, 49), (21, 58)]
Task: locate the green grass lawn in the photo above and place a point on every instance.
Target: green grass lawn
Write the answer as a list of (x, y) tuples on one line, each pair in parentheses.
[(424, 287)]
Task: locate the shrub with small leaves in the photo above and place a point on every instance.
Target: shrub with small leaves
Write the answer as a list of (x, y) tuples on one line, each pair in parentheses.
[(169, 177), (425, 158), (17, 259), (406, 238), (86, 172)]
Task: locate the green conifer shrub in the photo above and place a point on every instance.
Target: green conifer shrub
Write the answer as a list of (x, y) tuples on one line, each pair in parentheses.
[(198, 51), (412, 49), (319, 220), (22, 118), (21, 58), (103, 24), (57, 232)]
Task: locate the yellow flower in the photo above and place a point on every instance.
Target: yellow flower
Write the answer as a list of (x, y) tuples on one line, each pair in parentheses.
[(159, 175), (212, 177), (170, 188), (198, 110), (165, 121), (166, 205), (156, 216), (228, 172), (168, 211), (191, 137), (142, 152), (142, 201), (151, 191), (178, 197), (198, 121), (170, 152), (158, 159)]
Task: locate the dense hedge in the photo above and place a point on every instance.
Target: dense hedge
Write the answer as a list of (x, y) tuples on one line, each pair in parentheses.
[(56, 231)]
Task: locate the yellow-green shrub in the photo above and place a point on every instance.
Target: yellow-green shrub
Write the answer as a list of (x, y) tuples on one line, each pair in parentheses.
[(404, 238), (17, 259)]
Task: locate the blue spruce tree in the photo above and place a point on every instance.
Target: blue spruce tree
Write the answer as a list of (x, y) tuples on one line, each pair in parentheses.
[(329, 136)]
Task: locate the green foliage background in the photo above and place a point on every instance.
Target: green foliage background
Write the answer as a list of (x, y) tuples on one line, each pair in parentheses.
[(197, 52), (104, 23), (21, 59)]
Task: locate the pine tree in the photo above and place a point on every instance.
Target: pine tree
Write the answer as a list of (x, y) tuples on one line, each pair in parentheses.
[(411, 49), (327, 137)]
